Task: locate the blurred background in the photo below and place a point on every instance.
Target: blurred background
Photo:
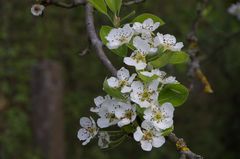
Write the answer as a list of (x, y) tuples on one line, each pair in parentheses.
[(46, 86)]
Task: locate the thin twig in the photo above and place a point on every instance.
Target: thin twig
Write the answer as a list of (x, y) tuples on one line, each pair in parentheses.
[(73, 4), (194, 50), (133, 2), (182, 147), (95, 41)]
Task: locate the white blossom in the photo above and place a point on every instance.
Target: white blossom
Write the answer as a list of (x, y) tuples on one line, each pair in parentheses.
[(153, 72), (148, 136), (107, 113), (234, 9), (88, 130), (126, 113), (118, 37), (147, 27), (169, 80), (160, 116), (138, 57), (37, 9), (123, 80), (98, 102), (144, 95), (168, 42), (103, 139)]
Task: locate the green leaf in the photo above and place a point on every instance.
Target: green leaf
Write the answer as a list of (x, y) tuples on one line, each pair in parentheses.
[(174, 93), (167, 131), (104, 31), (129, 129), (162, 60), (114, 5), (121, 51), (179, 57), (99, 5), (145, 16), (147, 79), (114, 92)]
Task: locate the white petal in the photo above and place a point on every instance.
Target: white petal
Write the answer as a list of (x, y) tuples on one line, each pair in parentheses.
[(113, 82), (140, 66), (85, 122), (148, 114), (103, 122), (99, 100), (120, 113), (83, 134), (138, 134), (158, 141), (167, 109), (141, 45), (146, 145), (137, 87), (178, 46), (126, 89), (123, 74), (113, 45), (153, 86), (129, 61), (87, 141), (130, 80), (147, 125), (124, 122)]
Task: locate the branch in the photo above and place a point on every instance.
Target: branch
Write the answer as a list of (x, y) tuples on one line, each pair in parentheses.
[(194, 50), (181, 146), (96, 42), (133, 2), (73, 4)]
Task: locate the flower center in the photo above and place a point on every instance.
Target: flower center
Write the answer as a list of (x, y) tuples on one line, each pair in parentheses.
[(158, 116), (111, 117), (122, 83), (139, 57), (146, 95), (129, 114), (148, 135)]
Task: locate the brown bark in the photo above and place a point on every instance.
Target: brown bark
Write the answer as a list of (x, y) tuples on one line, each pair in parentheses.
[(47, 113)]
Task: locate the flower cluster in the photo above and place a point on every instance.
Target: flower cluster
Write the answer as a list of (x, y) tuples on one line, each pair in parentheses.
[(234, 9), (132, 104)]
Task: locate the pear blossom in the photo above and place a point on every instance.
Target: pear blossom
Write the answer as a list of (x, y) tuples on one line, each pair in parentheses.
[(148, 136), (138, 57), (169, 80), (103, 139), (160, 116), (37, 9), (147, 27), (234, 9), (88, 131), (123, 80), (118, 37), (144, 95), (107, 113), (126, 113), (98, 102), (168, 42), (153, 72)]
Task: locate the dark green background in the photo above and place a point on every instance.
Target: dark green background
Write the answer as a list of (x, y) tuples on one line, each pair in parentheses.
[(208, 122)]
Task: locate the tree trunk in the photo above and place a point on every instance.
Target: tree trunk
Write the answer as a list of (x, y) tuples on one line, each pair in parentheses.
[(47, 112)]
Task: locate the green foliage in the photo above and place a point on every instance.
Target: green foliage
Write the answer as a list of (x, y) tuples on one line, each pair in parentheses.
[(147, 79), (121, 51), (114, 5), (145, 16), (169, 57), (99, 5), (166, 132), (174, 93), (114, 92)]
